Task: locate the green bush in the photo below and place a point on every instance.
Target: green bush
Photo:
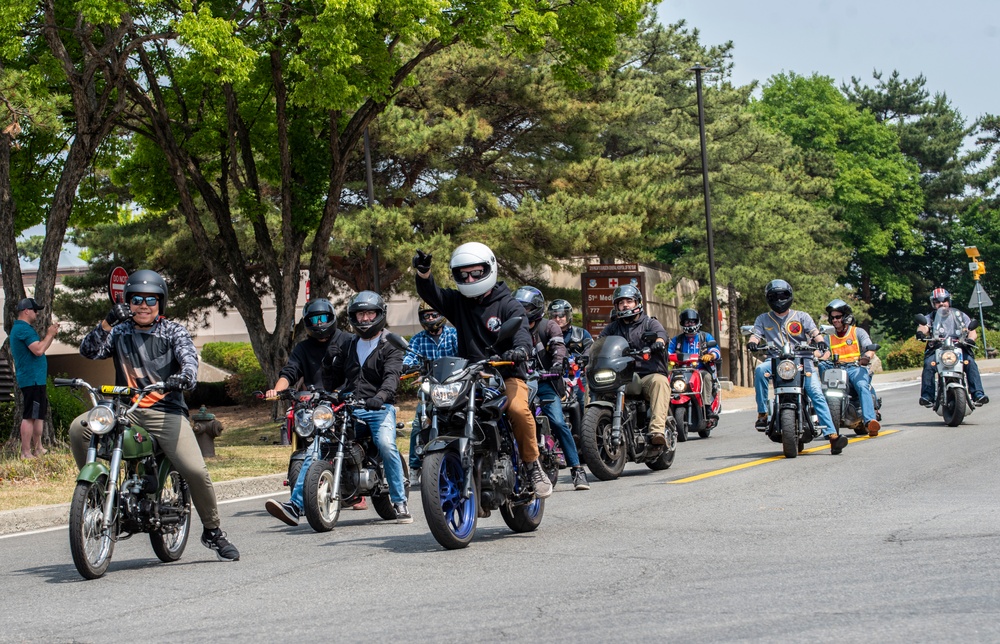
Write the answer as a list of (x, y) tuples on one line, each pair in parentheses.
[(908, 354), (239, 358), (66, 405), (7, 421)]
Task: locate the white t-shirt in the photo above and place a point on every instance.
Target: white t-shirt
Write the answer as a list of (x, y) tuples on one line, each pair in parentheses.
[(365, 348)]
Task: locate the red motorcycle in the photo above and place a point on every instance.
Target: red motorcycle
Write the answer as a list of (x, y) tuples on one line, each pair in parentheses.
[(690, 387)]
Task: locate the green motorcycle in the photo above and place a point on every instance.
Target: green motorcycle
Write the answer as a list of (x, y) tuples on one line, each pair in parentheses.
[(136, 490)]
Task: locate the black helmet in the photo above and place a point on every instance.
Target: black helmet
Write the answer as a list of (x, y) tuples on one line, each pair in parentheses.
[(533, 302), (367, 301), (564, 308), (319, 318), (620, 293), (779, 295), (430, 319), (690, 321), (843, 308), (147, 281)]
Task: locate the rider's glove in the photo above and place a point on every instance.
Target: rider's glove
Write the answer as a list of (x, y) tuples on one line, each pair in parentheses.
[(517, 354), (707, 357), (332, 353), (864, 360), (177, 382), (118, 313), (374, 403), (658, 347), (920, 335), (752, 346), (422, 261), (823, 347)]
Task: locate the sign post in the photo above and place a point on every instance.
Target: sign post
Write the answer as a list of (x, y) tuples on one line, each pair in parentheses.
[(116, 284), (598, 285), (979, 297)]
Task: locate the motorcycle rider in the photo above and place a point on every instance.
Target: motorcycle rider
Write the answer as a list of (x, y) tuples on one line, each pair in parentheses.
[(478, 308), (941, 299), (306, 363), (847, 342), (147, 348), (437, 340), (551, 355), (780, 324), (692, 340), (630, 322), (578, 341)]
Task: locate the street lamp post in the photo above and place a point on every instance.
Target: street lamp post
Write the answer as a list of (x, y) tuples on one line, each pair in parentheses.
[(376, 284), (698, 69)]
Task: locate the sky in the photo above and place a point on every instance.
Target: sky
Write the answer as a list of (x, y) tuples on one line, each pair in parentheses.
[(955, 45)]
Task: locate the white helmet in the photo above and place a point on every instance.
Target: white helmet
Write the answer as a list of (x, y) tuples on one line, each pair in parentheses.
[(473, 254)]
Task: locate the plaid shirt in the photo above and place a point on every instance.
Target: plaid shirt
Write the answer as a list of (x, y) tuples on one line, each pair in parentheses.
[(423, 344)]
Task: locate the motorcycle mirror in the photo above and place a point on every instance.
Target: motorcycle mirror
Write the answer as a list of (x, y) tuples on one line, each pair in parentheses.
[(873, 347), (397, 341), (826, 329), (974, 324), (920, 318), (711, 344), (746, 329), (508, 329), (649, 337)]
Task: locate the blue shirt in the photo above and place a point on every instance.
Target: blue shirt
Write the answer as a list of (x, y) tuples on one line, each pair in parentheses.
[(423, 344), (30, 369), (690, 345)]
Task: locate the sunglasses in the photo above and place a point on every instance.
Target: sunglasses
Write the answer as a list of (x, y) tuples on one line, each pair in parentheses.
[(430, 317), (836, 317), (474, 274), (150, 300), (555, 316)]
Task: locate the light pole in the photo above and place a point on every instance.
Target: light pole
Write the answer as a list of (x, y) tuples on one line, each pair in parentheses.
[(698, 69), (376, 285)]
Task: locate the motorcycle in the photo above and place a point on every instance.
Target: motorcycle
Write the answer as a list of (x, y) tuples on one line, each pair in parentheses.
[(348, 466), (841, 397), (952, 398), (616, 421), (687, 395), (792, 421), (471, 462), (550, 452), (137, 491)]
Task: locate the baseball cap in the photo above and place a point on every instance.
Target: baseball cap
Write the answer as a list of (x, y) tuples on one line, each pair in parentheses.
[(29, 303)]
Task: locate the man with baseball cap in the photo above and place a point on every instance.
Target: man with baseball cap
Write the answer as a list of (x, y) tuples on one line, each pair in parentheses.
[(31, 368)]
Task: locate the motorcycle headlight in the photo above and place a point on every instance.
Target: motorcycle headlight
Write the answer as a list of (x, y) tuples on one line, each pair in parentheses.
[(446, 395), (949, 358), (425, 387), (786, 369), (100, 420), (304, 422), (603, 377), (322, 416), (679, 385)]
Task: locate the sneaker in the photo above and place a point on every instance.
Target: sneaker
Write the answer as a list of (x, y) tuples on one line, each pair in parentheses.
[(873, 427), (402, 513), (283, 512), (580, 479), (218, 541), (924, 402), (540, 480), (761, 424), (657, 438), (837, 443), (982, 400), (360, 505), (415, 477)]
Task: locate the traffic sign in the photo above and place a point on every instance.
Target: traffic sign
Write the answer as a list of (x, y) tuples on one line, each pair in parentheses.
[(116, 284), (598, 289), (979, 297)]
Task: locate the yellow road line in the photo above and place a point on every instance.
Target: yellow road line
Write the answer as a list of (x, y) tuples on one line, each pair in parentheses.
[(743, 466)]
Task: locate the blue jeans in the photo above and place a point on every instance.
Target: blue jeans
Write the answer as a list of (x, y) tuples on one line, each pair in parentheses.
[(971, 373), (552, 408), (861, 380), (382, 424), (813, 389)]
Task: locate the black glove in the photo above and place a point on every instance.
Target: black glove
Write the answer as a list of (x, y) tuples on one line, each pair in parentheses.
[(422, 261), (374, 403), (177, 382), (518, 354), (658, 347), (920, 335), (118, 313), (332, 353), (822, 347), (752, 346)]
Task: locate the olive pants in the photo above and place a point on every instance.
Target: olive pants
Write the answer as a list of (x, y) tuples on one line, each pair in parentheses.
[(656, 389), (176, 439), (522, 421)]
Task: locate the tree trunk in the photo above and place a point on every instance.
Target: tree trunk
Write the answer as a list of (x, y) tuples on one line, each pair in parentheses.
[(734, 337)]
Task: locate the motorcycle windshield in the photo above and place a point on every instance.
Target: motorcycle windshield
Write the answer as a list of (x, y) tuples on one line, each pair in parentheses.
[(608, 351), (947, 324), (444, 368)]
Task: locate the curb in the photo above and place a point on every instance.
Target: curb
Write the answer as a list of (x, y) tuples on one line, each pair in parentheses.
[(47, 516)]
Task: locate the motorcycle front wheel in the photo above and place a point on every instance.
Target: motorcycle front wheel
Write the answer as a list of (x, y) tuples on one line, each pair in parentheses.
[(174, 506), (680, 417), (605, 460), (954, 407), (789, 441), (523, 518), (322, 508), (451, 519), (90, 548)]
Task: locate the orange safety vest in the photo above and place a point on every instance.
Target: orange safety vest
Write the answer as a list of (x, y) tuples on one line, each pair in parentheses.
[(847, 346)]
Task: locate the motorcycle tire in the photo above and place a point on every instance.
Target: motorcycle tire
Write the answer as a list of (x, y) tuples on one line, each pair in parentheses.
[(789, 441), (666, 458), (172, 500), (322, 508), (605, 461), (954, 407), (523, 518), (682, 428), (837, 415), (382, 503), (90, 549), (451, 519), (294, 468)]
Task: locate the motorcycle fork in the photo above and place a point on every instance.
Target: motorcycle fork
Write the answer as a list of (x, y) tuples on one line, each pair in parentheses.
[(616, 417), (109, 501), (338, 458), (467, 462)]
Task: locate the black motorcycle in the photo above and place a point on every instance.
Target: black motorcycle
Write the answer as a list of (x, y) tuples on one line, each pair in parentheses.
[(949, 340), (471, 462), (616, 421)]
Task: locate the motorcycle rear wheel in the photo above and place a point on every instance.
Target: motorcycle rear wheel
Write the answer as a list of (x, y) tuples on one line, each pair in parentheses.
[(383, 502), (954, 407), (605, 460), (789, 441), (322, 508), (90, 549), (174, 498), (523, 518), (451, 519)]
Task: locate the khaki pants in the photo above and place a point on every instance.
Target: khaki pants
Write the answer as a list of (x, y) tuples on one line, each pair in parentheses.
[(656, 389), (175, 437), (522, 421)]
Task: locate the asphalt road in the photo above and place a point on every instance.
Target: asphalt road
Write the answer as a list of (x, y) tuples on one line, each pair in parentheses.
[(895, 540)]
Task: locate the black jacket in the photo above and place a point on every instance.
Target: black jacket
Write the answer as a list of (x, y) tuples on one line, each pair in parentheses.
[(633, 332), (477, 321), (306, 359), (378, 376), (549, 345)]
